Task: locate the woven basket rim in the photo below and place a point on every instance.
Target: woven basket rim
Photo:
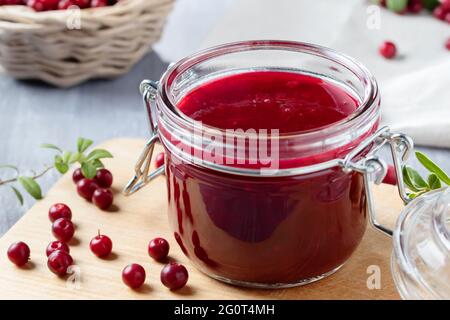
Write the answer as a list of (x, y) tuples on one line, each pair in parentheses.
[(22, 17)]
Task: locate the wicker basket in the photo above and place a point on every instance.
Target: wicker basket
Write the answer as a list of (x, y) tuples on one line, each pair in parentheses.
[(67, 47)]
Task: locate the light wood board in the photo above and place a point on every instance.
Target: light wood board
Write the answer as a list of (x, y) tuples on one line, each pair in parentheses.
[(137, 219)]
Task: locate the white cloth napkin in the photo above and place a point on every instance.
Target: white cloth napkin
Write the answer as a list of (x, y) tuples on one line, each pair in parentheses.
[(415, 88)]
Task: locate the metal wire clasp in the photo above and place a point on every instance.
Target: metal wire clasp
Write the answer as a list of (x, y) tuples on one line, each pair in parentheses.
[(142, 174), (374, 169)]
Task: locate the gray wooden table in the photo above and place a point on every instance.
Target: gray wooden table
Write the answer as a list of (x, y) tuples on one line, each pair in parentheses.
[(32, 113)]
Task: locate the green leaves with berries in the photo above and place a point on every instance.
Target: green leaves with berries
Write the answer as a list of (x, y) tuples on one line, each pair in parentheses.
[(400, 6), (89, 162), (418, 185)]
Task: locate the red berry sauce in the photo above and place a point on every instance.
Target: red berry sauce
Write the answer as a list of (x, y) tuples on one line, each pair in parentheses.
[(269, 100), (268, 229)]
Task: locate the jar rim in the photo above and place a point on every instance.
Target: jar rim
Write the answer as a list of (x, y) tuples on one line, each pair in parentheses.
[(303, 152), (351, 64)]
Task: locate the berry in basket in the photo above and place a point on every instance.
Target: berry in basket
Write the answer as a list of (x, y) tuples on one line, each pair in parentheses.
[(46, 5)]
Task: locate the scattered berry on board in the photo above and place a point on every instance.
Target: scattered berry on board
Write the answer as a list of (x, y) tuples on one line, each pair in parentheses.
[(388, 50), (174, 276), (59, 261), (19, 253), (59, 210), (158, 249), (57, 245), (101, 245), (133, 275), (63, 229)]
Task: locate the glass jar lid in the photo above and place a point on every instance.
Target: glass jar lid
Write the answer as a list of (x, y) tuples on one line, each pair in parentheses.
[(421, 256)]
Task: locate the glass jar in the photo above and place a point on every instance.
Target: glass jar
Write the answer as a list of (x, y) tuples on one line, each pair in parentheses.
[(421, 254), (269, 225)]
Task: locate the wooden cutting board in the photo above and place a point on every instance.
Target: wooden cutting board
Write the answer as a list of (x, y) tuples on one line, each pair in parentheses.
[(135, 220)]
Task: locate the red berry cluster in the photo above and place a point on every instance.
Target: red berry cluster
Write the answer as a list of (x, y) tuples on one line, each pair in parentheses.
[(442, 11), (96, 189), (173, 275), (412, 6), (58, 252), (439, 8), (46, 5)]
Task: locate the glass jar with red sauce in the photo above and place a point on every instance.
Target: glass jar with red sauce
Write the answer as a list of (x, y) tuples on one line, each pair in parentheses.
[(290, 203)]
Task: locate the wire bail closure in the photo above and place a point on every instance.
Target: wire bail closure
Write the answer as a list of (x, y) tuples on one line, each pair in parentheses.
[(374, 169), (142, 174), (370, 166)]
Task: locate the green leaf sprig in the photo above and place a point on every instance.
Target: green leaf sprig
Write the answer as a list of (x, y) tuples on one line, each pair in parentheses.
[(89, 163), (416, 184)]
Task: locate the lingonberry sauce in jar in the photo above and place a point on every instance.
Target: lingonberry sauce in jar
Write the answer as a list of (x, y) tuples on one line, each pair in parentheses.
[(290, 102), (284, 227)]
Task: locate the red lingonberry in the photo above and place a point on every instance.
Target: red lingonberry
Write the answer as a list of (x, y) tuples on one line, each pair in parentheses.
[(19, 253), (101, 245), (174, 276), (104, 178), (415, 6), (77, 175), (59, 261), (82, 3), (99, 3), (158, 249), (159, 160), (63, 229), (388, 50), (59, 210), (133, 275), (64, 5), (57, 245), (86, 188), (103, 198)]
